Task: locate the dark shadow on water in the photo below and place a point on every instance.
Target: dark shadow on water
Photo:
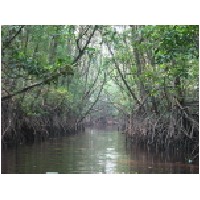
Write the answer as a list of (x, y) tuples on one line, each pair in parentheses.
[(150, 160)]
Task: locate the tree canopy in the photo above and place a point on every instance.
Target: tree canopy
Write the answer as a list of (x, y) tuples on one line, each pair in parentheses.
[(55, 76)]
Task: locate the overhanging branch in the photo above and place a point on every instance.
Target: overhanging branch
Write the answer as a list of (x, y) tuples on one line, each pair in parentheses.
[(123, 79), (81, 52), (9, 42)]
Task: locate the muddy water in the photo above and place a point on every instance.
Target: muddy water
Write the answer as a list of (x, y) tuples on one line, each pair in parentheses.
[(92, 152)]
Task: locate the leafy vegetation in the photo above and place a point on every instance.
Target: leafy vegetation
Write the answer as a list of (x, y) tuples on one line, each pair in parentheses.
[(53, 77)]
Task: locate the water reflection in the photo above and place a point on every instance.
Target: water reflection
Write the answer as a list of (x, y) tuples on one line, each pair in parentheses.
[(111, 160), (92, 152)]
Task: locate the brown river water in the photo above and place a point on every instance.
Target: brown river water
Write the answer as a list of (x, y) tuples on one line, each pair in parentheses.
[(92, 152)]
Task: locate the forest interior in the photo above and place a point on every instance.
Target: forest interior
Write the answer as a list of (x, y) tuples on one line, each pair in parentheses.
[(57, 80)]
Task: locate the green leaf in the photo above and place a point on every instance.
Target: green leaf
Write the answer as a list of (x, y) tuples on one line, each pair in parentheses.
[(90, 49)]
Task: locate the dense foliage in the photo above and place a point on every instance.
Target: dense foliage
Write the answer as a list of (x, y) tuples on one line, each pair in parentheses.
[(53, 77)]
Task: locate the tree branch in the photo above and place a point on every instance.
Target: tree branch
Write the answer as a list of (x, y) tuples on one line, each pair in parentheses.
[(9, 42), (50, 78), (123, 79), (81, 51), (93, 104)]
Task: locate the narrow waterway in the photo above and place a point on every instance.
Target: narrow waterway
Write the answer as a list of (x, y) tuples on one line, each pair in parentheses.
[(93, 152)]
